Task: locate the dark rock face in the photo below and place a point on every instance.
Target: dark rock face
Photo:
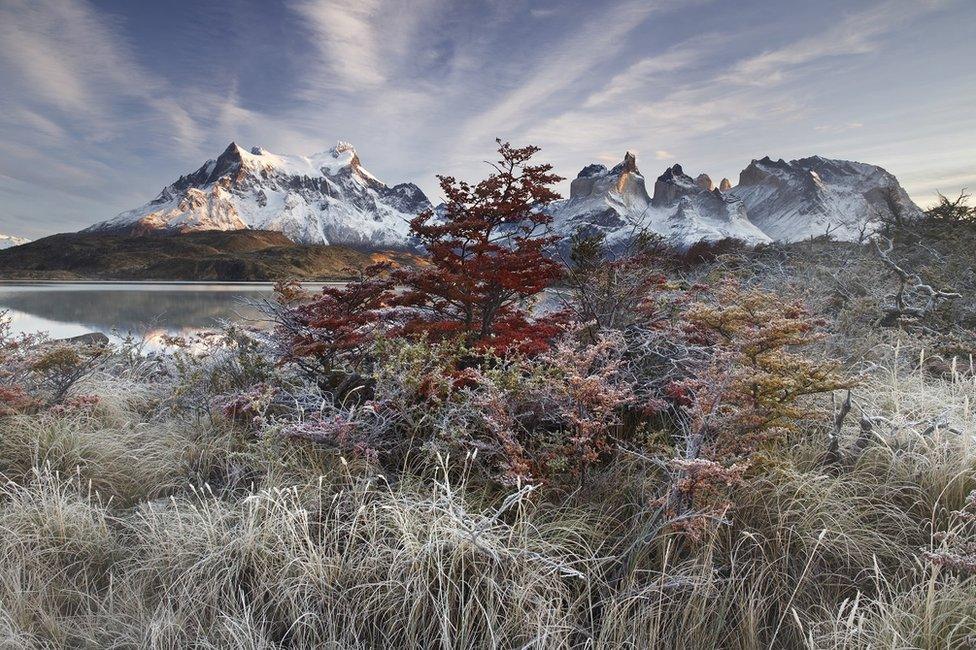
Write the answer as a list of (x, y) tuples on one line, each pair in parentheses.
[(628, 166), (95, 339), (672, 185), (592, 170), (406, 197), (596, 180)]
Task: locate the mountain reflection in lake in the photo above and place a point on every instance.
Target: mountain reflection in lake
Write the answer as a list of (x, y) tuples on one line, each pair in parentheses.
[(143, 309)]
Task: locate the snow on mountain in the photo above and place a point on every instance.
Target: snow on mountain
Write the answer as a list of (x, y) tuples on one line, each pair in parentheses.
[(327, 198), (331, 198), (808, 197), (615, 203), (9, 241)]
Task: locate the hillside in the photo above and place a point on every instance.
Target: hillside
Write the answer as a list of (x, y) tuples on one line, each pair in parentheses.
[(206, 255)]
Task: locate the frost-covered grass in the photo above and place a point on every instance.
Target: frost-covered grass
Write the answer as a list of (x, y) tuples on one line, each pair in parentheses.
[(145, 522)]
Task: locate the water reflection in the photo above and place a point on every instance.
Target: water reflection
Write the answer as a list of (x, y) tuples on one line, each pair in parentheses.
[(142, 309)]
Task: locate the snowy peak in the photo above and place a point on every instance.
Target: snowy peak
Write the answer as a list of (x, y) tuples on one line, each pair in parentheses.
[(615, 203), (325, 198), (673, 184), (812, 196), (9, 241)]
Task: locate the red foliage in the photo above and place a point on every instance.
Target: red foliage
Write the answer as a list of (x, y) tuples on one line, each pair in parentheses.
[(14, 399), (339, 323), (487, 255)]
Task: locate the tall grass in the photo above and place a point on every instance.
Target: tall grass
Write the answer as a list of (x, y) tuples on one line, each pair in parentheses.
[(132, 526)]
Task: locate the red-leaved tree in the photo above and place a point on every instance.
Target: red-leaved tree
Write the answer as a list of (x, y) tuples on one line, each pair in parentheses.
[(329, 334), (487, 257)]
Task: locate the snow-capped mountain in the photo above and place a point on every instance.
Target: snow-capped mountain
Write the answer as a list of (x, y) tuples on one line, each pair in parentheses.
[(327, 198), (811, 196), (774, 200), (615, 203), (9, 241), (330, 198)]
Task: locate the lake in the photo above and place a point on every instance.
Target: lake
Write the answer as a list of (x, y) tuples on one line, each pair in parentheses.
[(143, 309)]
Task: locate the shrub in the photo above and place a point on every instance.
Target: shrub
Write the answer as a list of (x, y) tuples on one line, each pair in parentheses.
[(36, 373), (952, 211), (330, 334)]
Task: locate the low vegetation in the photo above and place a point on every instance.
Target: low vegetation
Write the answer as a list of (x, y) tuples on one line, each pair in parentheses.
[(233, 255), (721, 448)]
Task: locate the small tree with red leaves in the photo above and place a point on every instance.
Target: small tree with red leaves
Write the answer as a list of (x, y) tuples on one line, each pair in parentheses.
[(487, 253), (328, 335)]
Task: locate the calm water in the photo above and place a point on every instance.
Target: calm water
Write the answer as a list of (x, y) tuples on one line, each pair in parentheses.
[(144, 309)]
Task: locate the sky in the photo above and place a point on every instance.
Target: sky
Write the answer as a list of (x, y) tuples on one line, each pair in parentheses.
[(103, 103)]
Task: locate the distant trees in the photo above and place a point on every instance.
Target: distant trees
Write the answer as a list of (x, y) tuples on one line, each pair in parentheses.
[(952, 211)]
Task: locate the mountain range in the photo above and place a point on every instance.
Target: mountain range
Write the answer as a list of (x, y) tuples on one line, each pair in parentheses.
[(330, 198), (9, 241)]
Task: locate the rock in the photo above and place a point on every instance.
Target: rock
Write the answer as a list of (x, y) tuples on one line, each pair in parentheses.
[(672, 185), (704, 181), (629, 165), (96, 339), (614, 204), (725, 185)]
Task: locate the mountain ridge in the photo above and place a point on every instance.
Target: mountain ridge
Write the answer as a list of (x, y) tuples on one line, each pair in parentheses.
[(331, 198), (326, 198)]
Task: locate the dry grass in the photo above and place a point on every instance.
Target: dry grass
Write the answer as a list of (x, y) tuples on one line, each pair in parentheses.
[(129, 527)]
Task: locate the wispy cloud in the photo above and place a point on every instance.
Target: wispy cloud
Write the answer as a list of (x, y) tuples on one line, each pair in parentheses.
[(367, 45), (562, 66), (64, 64), (348, 39), (856, 34), (838, 128), (639, 77), (543, 12), (96, 114)]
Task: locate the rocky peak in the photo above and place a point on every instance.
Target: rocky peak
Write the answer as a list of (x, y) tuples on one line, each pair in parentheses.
[(725, 185), (326, 197), (230, 160), (629, 165), (672, 185), (595, 169), (623, 180), (807, 197), (704, 181), (345, 152)]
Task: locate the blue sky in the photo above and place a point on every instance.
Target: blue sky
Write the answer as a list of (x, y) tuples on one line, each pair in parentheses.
[(102, 103)]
